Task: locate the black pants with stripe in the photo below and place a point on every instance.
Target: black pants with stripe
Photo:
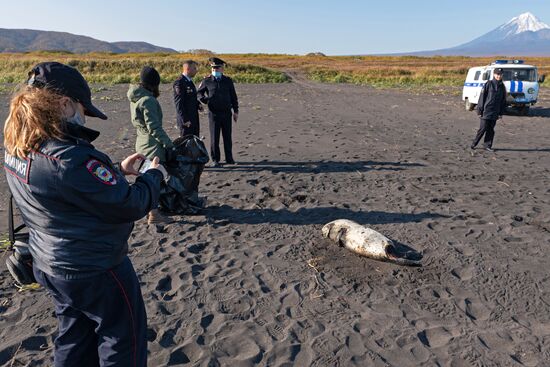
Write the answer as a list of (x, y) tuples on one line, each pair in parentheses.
[(487, 128), (102, 319)]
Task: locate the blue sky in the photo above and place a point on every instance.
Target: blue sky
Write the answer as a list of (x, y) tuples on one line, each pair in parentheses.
[(283, 26)]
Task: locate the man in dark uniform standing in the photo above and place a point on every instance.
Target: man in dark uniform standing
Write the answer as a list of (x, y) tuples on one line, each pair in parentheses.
[(185, 99), (218, 92), (491, 106)]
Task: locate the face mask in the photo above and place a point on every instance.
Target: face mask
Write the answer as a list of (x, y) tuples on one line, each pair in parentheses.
[(77, 119), (217, 74)]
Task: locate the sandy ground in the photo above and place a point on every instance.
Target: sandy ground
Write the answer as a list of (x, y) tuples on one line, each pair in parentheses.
[(252, 282)]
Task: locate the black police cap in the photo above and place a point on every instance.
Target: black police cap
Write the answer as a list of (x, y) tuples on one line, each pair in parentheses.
[(216, 61), (66, 81), (498, 71)]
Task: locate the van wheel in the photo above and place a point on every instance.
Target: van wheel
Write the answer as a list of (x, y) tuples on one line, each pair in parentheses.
[(469, 106)]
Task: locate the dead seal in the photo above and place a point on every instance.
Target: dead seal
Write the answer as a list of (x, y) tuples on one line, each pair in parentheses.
[(367, 242)]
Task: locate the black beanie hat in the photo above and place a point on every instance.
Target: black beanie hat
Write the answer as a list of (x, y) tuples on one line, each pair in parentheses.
[(149, 76)]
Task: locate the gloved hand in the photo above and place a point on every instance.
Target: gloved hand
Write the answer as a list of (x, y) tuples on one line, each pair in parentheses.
[(156, 165)]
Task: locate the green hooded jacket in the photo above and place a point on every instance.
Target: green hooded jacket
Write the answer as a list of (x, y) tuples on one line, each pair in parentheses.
[(152, 141)]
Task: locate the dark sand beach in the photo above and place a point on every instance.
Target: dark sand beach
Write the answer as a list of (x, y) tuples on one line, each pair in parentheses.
[(251, 282)]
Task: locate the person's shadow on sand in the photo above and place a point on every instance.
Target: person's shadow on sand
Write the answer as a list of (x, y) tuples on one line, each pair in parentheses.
[(305, 216), (320, 166), (545, 150)]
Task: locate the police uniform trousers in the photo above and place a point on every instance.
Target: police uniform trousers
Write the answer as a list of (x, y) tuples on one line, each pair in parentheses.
[(220, 121), (102, 319), (194, 129), (487, 128)]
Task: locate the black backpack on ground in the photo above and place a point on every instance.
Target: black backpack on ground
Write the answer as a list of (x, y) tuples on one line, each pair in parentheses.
[(19, 263), (180, 193)]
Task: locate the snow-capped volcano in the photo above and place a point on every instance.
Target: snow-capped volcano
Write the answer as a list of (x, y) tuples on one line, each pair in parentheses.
[(525, 22), (524, 35)]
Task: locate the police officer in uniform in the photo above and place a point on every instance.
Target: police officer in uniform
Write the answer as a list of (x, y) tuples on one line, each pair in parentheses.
[(185, 99), (80, 210), (491, 106), (218, 92)]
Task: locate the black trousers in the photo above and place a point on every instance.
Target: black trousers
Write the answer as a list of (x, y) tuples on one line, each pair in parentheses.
[(102, 319), (487, 128), (220, 122), (194, 129)]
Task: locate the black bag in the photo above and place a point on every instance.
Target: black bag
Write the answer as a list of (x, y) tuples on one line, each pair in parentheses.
[(19, 263), (180, 193)]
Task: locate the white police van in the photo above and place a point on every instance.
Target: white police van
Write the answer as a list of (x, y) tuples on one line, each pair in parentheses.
[(521, 82)]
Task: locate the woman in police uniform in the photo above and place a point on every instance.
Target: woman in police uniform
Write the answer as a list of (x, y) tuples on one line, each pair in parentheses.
[(79, 210)]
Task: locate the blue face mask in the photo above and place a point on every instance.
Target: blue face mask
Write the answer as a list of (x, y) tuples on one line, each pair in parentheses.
[(217, 74), (77, 118)]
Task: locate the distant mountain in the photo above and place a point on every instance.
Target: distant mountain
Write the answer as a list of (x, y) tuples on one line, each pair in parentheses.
[(22, 40), (524, 35)]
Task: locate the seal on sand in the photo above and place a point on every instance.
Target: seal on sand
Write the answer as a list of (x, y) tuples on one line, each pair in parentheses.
[(367, 242)]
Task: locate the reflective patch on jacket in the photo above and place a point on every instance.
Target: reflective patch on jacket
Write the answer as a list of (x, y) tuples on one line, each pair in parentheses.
[(17, 167)]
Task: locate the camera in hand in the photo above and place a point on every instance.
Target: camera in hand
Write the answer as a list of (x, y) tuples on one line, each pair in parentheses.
[(145, 165)]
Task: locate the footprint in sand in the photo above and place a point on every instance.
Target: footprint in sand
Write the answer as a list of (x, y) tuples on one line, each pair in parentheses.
[(435, 337), (196, 248), (167, 336), (178, 357), (206, 321), (475, 309), (464, 273), (465, 250), (164, 284), (355, 344)]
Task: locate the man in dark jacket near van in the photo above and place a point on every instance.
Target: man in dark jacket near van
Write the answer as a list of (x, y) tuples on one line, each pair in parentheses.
[(218, 92), (490, 108)]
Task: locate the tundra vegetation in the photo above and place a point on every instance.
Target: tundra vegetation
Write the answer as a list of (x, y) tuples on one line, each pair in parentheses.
[(435, 74)]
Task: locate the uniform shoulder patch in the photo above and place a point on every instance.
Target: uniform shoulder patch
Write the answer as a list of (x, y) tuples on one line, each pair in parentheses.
[(101, 172), (18, 167)]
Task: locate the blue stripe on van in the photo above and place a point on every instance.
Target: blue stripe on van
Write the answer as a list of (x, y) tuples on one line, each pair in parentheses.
[(520, 86), (512, 86), (473, 84)]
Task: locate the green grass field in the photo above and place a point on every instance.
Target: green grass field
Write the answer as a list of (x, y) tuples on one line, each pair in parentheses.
[(117, 69), (442, 74)]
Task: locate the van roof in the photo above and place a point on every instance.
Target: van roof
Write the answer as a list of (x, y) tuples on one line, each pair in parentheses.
[(510, 66), (503, 66)]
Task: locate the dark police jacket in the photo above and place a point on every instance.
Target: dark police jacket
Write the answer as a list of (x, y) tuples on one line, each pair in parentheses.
[(220, 94), (185, 99), (79, 209), (492, 101)]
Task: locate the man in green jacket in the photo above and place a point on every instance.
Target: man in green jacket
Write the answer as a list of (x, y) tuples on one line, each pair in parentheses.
[(152, 141)]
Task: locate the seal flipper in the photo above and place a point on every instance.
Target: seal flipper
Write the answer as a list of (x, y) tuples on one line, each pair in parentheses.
[(402, 258)]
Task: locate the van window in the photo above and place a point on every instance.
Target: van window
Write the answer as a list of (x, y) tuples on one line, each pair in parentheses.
[(486, 75), (478, 73), (524, 75)]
